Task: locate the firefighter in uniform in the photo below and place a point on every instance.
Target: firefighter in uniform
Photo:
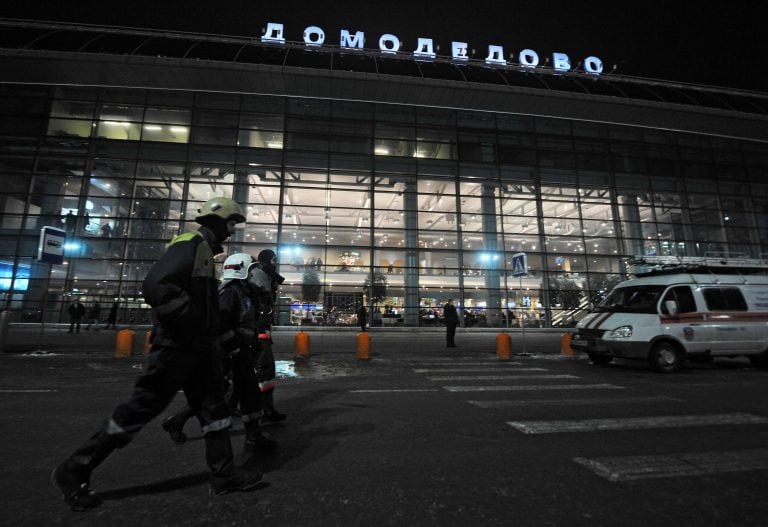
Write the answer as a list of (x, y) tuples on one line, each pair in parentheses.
[(238, 333), (182, 290), (266, 280)]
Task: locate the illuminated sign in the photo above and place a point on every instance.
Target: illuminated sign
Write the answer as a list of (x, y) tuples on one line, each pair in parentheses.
[(52, 245), (390, 44)]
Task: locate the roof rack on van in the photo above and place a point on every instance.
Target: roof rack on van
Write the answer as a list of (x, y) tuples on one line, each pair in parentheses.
[(655, 265)]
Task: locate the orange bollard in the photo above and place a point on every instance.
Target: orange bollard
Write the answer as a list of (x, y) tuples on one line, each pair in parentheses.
[(301, 345), (124, 343), (363, 349), (147, 342), (503, 346), (565, 345)]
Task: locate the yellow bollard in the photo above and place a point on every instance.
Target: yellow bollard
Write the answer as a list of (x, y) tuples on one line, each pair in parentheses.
[(124, 343), (503, 346), (301, 345), (147, 342), (565, 345), (363, 349)]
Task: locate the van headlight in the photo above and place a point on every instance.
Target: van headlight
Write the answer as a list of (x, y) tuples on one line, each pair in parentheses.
[(622, 332)]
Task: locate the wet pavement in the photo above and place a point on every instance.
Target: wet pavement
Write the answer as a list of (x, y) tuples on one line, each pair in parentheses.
[(385, 342)]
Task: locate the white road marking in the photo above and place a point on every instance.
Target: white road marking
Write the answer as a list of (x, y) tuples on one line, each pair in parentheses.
[(574, 402), (533, 387), (631, 468), (27, 391), (498, 377), (465, 370), (391, 391), (635, 423), (454, 363)]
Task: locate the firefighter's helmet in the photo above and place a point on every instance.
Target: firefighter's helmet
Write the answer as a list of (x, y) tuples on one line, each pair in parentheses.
[(222, 207), (237, 266)]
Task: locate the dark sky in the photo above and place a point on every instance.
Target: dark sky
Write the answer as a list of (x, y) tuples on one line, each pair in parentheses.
[(715, 43)]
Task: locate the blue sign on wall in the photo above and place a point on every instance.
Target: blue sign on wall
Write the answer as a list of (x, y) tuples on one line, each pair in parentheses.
[(51, 247), (519, 264)]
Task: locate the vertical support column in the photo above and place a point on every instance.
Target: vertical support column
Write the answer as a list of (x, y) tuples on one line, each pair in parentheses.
[(411, 276), (630, 216), (240, 195), (490, 240)]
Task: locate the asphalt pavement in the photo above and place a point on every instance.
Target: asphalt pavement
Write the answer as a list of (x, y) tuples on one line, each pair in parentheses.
[(419, 435), (55, 338)]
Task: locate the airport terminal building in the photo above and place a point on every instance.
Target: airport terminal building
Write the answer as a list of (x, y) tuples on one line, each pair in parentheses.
[(380, 177)]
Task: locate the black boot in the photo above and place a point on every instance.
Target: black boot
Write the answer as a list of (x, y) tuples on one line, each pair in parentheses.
[(273, 416), (73, 477), (225, 477), (174, 425), (268, 403), (255, 441)]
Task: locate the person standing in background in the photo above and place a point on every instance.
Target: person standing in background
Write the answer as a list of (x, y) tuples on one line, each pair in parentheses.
[(112, 317), (76, 312), (362, 317), (93, 316), (451, 321)]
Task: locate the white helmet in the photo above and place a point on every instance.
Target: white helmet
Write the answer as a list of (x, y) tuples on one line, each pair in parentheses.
[(237, 266)]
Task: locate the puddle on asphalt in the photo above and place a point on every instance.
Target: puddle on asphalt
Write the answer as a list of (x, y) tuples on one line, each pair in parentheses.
[(300, 369)]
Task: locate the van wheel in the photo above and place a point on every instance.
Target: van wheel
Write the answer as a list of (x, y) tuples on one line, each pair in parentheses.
[(759, 361), (664, 358), (600, 360)]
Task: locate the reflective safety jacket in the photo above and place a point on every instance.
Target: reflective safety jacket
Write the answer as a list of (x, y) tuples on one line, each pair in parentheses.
[(182, 290), (238, 316)]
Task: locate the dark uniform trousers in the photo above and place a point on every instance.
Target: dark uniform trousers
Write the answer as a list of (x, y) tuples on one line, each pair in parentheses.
[(199, 373)]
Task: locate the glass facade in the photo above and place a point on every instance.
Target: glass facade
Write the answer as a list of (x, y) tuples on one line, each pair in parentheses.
[(399, 207)]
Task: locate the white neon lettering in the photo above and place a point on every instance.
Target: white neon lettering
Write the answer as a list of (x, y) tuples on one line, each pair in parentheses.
[(389, 43), (593, 65), (561, 62), (495, 55), (348, 41), (424, 49), (528, 58), (273, 33), (459, 50), (314, 36)]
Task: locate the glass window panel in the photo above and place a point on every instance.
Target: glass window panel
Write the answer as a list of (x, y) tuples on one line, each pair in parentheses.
[(260, 139), (165, 133), (158, 115), (214, 136), (262, 121), (121, 113), (162, 152), (121, 130), (73, 109), (69, 127)]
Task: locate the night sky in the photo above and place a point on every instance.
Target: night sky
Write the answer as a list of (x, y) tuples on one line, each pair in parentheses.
[(722, 44)]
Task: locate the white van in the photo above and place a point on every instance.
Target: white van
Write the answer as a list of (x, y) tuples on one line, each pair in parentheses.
[(669, 316)]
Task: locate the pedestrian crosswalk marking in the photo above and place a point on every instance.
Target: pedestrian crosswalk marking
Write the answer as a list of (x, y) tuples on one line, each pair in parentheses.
[(393, 390), (27, 391), (465, 370), (635, 423), (631, 468), (498, 377), (574, 402), (454, 363), (533, 387)]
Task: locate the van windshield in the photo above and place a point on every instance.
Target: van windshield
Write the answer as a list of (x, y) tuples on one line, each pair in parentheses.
[(632, 299)]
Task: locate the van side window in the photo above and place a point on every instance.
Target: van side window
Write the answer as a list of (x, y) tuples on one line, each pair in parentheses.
[(724, 299), (683, 295)]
